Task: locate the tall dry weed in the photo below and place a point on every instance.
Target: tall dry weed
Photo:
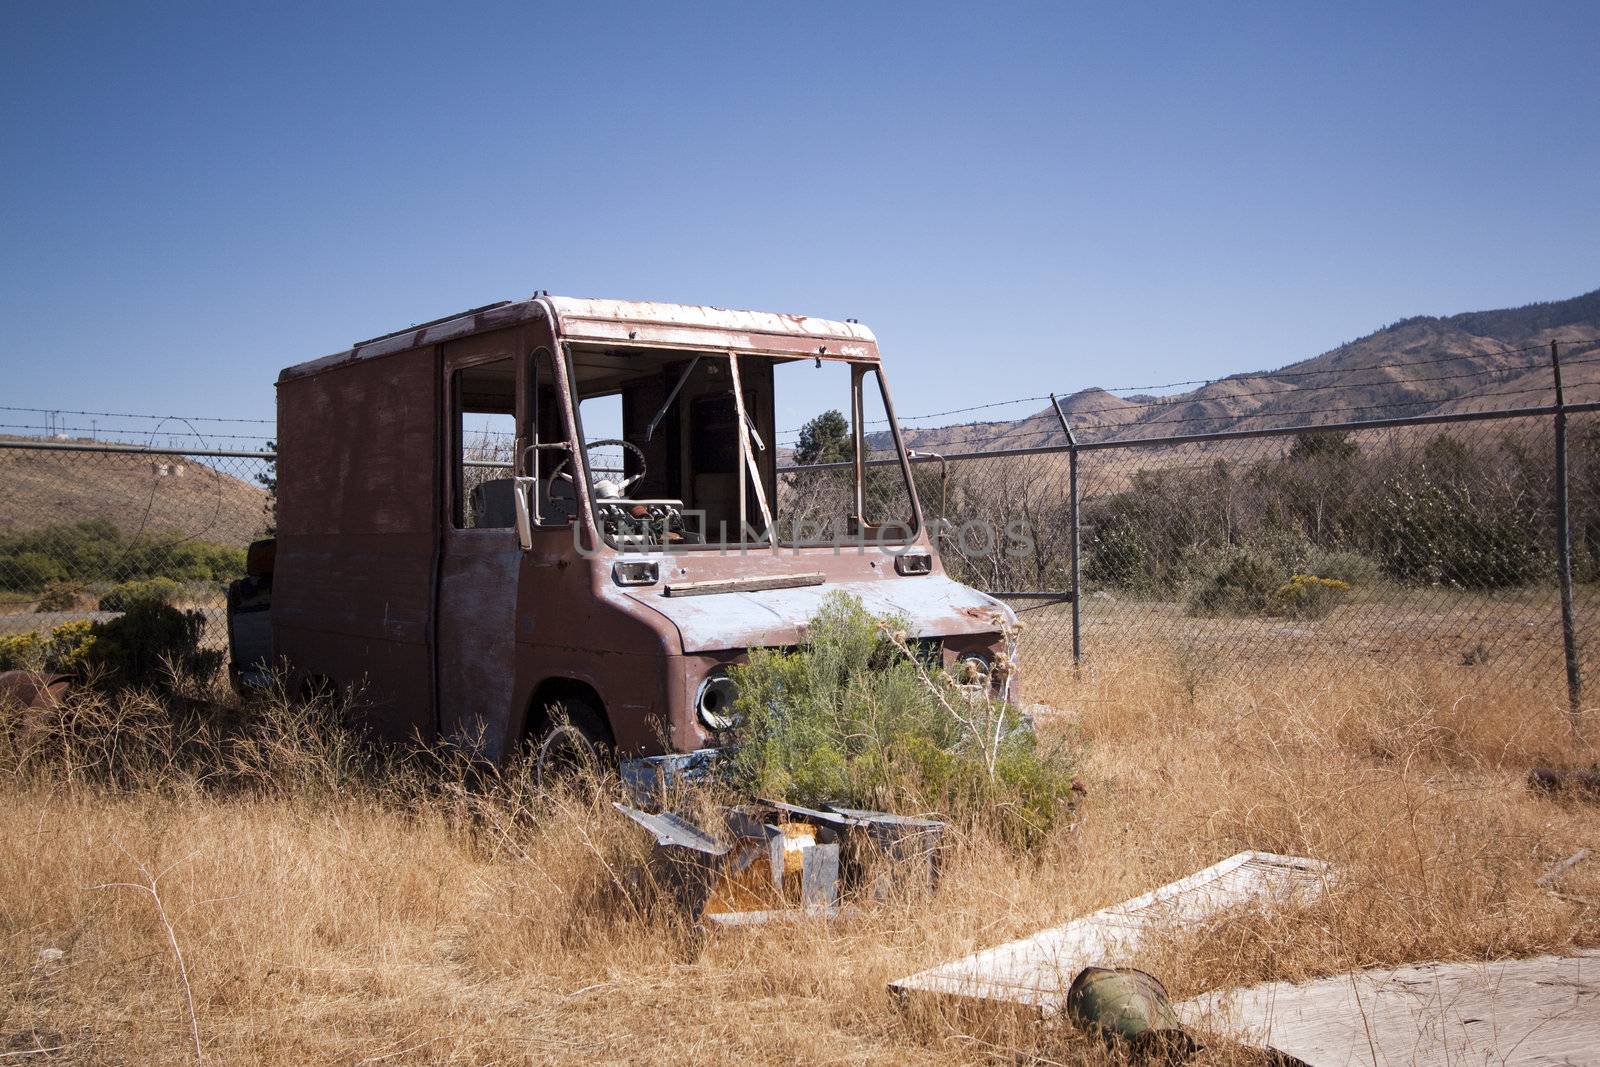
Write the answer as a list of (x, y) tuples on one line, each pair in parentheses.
[(333, 902)]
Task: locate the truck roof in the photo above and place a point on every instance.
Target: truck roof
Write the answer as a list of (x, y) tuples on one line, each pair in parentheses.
[(629, 323)]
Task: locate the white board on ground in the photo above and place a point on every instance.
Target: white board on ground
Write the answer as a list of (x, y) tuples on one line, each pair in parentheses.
[(1036, 971), (1539, 1012)]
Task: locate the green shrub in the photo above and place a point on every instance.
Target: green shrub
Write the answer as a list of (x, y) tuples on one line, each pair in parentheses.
[(1243, 585), (59, 596), (58, 651), (850, 719), (1306, 596), (135, 648), (29, 570), (1438, 534), (1348, 566), (125, 595), (95, 550)]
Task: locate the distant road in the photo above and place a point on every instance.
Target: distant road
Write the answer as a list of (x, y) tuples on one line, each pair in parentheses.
[(43, 620)]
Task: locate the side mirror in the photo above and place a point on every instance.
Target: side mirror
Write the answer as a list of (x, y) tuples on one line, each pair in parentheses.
[(520, 488)]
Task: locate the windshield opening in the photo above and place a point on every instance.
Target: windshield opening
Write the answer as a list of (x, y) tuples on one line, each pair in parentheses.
[(677, 457)]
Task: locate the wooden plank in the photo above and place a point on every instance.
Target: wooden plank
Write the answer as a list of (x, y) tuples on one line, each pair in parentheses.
[(1036, 971), (752, 584), (1534, 1013)]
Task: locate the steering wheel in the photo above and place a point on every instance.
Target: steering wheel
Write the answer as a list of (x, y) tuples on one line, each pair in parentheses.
[(604, 488)]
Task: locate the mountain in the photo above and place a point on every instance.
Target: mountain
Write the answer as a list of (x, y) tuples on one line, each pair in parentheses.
[(1476, 361)]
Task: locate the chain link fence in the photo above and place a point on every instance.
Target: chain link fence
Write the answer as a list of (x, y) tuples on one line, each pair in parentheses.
[(1426, 541), (1430, 540), (85, 525)]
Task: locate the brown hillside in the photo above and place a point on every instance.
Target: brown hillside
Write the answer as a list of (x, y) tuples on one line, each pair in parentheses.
[(158, 494), (1475, 361)]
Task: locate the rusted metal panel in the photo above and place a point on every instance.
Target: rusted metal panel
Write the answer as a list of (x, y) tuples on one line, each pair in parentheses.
[(932, 605), (32, 689), (422, 337), (353, 578), (752, 584), (638, 322), (641, 313), (477, 638)]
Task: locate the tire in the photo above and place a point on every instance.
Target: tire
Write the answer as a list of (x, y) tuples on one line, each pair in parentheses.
[(575, 742)]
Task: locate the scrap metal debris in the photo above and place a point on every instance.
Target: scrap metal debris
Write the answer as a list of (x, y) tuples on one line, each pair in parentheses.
[(650, 779), (1566, 781), (31, 689), (770, 861), (1035, 972)]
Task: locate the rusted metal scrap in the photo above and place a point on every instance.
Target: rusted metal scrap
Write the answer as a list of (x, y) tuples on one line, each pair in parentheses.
[(883, 851), (686, 860), (1566, 781), (31, 689), (650, 779), (771, 861)]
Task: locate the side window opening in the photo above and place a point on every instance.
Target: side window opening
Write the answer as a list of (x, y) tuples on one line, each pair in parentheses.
[(485, 441), (546, 451)]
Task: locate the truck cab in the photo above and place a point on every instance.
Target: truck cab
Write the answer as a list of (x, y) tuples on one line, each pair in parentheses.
[(559, 521)]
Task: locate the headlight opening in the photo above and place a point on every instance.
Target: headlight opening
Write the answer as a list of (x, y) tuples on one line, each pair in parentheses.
[(715, 700)]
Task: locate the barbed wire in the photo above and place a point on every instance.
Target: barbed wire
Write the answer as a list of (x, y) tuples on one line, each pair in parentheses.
[(136, 415), (102, 430), (788, 436)]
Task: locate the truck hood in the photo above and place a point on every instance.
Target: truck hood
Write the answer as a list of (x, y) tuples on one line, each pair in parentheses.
[(933, 606)]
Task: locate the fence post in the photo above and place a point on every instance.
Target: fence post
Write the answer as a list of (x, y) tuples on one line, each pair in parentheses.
[(1569, 639), (1072, 491)]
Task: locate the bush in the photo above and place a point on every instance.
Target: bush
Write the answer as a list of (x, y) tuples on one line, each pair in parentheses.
[(1350, 567), (133, 649), (59, 596), (59, 651), (1306, 596), (851, 719), (1244, 585), (136, 647), (95, 550), (29, 570), (126, 595), (1439, 535)]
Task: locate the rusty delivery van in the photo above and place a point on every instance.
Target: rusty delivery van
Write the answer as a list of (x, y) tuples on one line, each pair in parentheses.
[(579, 504)]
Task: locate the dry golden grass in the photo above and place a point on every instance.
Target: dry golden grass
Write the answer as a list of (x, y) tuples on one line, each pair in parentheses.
[(327, 912)]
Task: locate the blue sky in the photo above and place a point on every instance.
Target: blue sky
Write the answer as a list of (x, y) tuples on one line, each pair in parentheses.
[(1017, 198)]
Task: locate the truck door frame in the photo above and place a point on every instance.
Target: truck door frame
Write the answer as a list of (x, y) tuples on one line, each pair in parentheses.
[(478, 570)]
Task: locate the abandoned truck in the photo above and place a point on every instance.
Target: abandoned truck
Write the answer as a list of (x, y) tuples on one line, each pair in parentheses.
[(578, 504)]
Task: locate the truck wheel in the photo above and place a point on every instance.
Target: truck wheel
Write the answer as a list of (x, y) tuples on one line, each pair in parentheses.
[(574, 743)]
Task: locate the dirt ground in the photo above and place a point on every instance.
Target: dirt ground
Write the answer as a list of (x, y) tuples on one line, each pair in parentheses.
[(1503, 634), (313, 918)]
